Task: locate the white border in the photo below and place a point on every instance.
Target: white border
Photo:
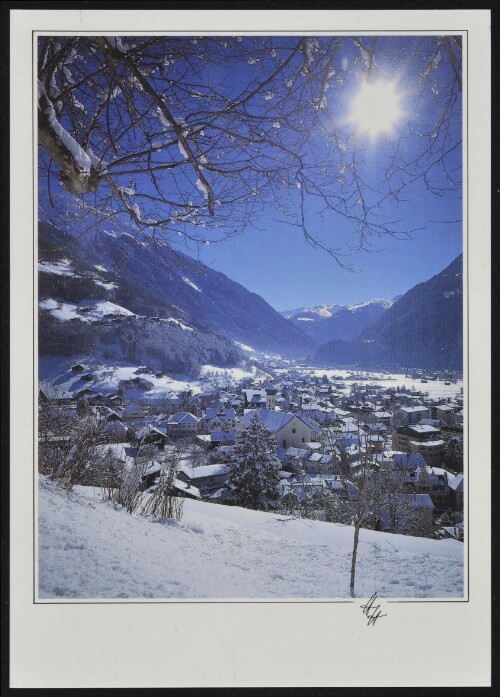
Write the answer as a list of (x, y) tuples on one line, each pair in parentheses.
[(266, 644)]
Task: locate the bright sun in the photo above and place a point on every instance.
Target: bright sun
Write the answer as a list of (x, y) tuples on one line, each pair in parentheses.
[(376, 107)]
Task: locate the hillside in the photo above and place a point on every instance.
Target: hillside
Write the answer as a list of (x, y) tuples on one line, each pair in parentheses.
[(423, 329), (194, 305), (226, 552)]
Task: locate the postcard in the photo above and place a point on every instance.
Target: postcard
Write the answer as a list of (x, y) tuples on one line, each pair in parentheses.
[(250, 348)]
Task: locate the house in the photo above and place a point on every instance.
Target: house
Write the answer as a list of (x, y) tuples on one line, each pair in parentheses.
[(375, 443), (115, 432), (152, 473), (218, 419), (264, 398), (289, 429), (319, 463), (152, 435), (423, 439), (295, 457), (408, 461), (411, 415), (434, 482), (218, 438), (182, 425), (206, 478)]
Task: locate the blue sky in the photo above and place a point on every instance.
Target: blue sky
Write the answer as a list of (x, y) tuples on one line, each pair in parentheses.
[(303, 155), (273, 259), (279, 265)]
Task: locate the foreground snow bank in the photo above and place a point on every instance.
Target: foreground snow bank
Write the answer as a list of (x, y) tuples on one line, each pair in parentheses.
[(87, 549)]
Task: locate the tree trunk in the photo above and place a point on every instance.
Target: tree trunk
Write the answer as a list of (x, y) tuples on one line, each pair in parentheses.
[(56, 141), (354, 552)]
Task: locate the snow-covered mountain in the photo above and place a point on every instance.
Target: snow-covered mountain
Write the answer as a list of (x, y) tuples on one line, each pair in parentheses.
[(422, 329), (112, 295), (314, 314), (326, 322)]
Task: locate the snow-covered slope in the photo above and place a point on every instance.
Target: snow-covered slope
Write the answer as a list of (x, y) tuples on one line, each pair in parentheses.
[(155, 281), (87, 549)]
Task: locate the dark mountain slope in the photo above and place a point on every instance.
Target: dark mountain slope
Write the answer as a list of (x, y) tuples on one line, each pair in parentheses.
[(162, 284), (422, 329)]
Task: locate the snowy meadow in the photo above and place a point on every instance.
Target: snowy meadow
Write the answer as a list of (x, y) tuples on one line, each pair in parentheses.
[(89, 549)]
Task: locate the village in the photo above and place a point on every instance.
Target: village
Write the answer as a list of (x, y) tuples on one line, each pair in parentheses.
[(332, 430)]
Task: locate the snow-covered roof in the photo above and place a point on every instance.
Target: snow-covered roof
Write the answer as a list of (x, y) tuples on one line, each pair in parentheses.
[(457, 483), (298, 452), (205, 471), (427, 444), (188, 488), (183, 417), (274, 420), (423, 428)]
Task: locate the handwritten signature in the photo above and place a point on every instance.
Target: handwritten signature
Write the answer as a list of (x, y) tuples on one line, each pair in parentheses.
[(371, 611)]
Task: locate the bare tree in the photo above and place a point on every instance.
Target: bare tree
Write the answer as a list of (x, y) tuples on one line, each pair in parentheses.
[(369, 496), (197, 136)]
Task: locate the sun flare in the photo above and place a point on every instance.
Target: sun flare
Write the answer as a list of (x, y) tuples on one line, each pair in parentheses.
[(376, 107)]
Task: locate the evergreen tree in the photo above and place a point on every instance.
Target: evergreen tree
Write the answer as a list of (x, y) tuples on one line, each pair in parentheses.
[(255, 467)]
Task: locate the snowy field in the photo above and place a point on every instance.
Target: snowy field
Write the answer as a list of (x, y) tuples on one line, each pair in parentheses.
[(434, 388), (55, 373), (87, 549)]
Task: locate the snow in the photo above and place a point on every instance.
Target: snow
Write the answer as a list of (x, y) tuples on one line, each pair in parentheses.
[(180, 324), (108, 286), (79, 155), (202, 187), (436, 389), (87, 549), (233, 373), (62, 267), (190, 283), (385, 303), (93, 312), (244, 347)]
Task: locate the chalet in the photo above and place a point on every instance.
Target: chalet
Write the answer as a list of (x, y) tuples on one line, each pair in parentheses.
[(182, 425), (434, 482), (289, 429), (152, 435), (319, 463), (218, 419), (264, 398), (206, 478), (115, 432)]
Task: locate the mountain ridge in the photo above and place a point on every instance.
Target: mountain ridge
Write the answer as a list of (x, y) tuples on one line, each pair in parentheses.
[(422, 329)]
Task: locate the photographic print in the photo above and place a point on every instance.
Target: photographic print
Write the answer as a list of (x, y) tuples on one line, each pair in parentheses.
[(250, 316)]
